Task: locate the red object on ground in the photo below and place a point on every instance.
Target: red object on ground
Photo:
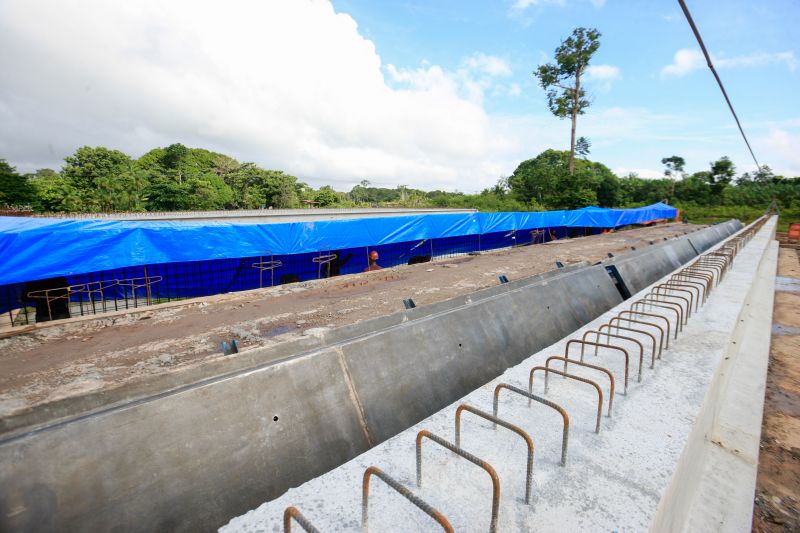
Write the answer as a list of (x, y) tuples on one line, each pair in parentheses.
[(794, 231)]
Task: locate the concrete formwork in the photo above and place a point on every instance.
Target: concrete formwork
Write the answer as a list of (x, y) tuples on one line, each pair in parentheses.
[(245, 430)]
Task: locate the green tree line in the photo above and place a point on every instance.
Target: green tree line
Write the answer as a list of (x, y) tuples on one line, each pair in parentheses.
[(99, 179)]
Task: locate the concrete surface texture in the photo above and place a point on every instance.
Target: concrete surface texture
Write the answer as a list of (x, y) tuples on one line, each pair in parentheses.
[(212, 443), (626, 478)]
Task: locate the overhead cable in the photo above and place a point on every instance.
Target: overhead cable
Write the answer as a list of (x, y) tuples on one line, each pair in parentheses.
[(716, 76)]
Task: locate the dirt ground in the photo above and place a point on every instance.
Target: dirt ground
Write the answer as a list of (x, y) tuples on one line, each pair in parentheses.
[(78, 356), (777, 502)]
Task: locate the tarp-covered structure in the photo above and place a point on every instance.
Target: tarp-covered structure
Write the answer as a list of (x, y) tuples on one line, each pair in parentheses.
[(84, 250)]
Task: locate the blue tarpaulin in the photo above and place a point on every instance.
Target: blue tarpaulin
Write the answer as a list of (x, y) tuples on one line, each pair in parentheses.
[(39, 248)]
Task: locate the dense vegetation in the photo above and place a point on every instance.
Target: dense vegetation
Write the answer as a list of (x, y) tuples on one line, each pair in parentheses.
[(180, 178)]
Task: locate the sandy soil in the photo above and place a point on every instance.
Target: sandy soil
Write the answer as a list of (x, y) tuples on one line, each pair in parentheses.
[(78, 356), (777, 502)]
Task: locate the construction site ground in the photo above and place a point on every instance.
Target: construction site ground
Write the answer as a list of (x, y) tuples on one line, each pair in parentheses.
[(777, 499), (72, 357)]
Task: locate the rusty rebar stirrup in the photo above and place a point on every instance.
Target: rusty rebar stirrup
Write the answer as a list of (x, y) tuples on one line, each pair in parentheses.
[(606, 371), (608, 336), (712, 273), (704, 287), (662, 296), (652, 315), (706, 275), (641, 302), (635, 330), (630, 321), (323, 259), (469, 457), (547, 371), (690, 301), (404, 491), (294, 513), (652, 299), (696, 290), (544, 401), (508, 425), (270, 265), (601, 345)]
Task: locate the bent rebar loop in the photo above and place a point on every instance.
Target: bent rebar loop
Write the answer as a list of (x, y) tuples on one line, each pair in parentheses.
[(608, 335), (508, 425), (652, 315), (469, 457), (601, 345), (403, 491), (544, 401), (547, 371), (617, 327), (606, 371)]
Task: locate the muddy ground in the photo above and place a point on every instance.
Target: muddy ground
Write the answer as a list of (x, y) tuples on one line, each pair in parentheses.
[(77, 356), (777, 501)]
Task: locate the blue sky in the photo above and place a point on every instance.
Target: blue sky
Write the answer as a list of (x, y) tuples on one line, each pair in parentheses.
[(753, 41), (426, 94)]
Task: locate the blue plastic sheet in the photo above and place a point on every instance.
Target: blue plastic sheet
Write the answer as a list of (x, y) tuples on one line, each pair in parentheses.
[(39, 248)]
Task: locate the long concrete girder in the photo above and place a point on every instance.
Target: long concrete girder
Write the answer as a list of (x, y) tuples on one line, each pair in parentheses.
[(653, 466)]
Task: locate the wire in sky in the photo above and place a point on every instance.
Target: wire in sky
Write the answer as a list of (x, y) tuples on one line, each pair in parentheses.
[(716, 76)]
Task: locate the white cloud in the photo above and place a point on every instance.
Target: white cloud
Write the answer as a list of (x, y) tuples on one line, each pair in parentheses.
[(290, 84), (491, 65), (687, 59), (778, 149), (602, 72), (603, 75), (646, 173)]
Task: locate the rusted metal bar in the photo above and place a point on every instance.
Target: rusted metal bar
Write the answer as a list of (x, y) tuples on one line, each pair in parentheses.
[(270, 265), (508, 425), (548, 403), (547, 371), (655, 303), (658, 294), (651, 315), (322, 260), (608, 336), (629, 321), (695, 280), (700, 269), (691, 303), (601, 345), (587, 365), (294, 513), (618, 327), (404, 491), (695, 288), (469, 457)]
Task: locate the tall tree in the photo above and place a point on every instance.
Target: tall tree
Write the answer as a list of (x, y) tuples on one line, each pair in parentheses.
[(562, 79), (674, 165), (15, 190)]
